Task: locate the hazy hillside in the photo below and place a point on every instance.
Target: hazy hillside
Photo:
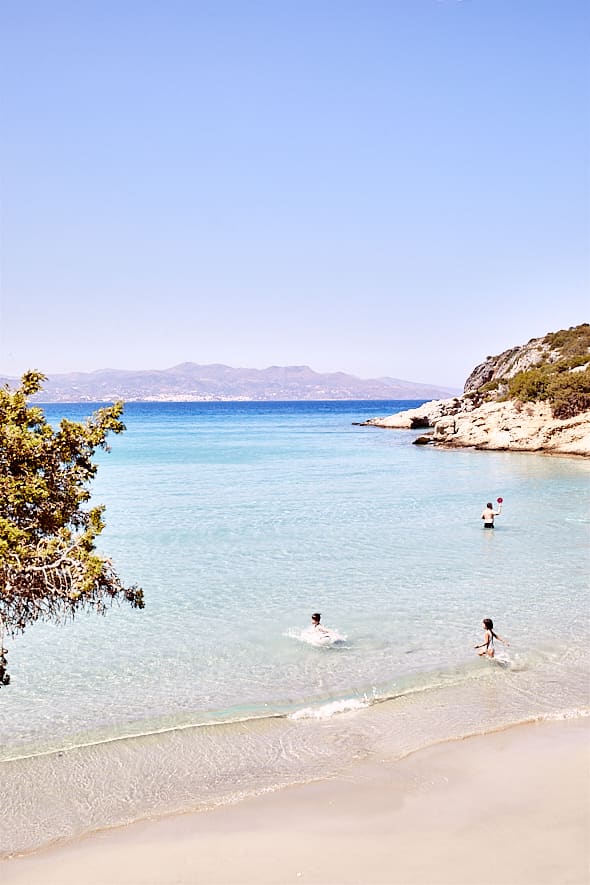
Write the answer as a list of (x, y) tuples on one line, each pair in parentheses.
[(190, 381)]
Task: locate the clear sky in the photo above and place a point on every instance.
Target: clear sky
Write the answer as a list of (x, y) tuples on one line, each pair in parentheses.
[(382, 187)]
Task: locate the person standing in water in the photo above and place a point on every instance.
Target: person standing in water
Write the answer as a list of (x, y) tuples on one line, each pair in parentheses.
[(488, 515), (489, 636)]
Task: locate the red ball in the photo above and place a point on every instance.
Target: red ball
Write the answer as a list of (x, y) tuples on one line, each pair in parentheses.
[(500, 500)]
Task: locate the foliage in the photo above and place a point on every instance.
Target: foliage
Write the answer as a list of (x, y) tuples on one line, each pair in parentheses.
[(529, 385), (489, 386), (567, 391), (49, 568), (571, 342)]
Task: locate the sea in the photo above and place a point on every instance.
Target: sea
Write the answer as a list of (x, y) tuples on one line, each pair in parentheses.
[(241, 519)]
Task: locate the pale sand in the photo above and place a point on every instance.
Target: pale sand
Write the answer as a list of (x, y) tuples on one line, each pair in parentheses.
[(511, 807)]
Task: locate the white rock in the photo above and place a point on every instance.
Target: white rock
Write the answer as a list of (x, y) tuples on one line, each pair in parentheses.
[(503, 426)]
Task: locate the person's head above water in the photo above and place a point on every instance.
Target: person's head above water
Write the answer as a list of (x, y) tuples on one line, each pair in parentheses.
[(316, 617), (490, 506), (488, 623)]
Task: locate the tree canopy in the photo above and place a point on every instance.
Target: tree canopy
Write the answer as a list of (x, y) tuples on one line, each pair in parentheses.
[(49, 566)]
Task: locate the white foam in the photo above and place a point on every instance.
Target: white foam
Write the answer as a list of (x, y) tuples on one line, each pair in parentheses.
[(322, 638), (565, 714), (326, 711)]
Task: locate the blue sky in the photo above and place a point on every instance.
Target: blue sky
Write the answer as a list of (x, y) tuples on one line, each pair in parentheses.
[(384, 188)]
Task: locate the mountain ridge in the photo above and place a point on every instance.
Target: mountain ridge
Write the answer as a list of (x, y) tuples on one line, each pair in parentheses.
[(190, 381)]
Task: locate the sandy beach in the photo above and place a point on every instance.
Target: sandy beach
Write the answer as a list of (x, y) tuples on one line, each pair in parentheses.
[(505, 808)]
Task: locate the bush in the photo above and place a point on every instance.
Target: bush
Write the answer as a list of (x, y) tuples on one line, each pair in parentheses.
[(569, 393), (490, 386), (571, 342), (531, 384)]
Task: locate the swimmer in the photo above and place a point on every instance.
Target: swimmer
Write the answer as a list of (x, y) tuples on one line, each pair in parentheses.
[(315, 623), (488, 515), (489, 636)]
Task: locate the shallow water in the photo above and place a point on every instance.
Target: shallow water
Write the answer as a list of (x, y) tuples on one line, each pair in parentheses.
[(239, 520)]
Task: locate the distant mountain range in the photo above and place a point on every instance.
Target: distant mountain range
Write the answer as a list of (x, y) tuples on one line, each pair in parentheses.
[(192, 382)]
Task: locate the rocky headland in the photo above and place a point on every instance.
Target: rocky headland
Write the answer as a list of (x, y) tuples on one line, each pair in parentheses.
[(532, 398)]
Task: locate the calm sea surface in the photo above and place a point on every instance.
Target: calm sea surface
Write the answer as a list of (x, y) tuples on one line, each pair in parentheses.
[(239, 520)]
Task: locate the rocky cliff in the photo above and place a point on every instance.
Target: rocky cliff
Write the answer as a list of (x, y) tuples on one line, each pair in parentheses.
[(533, 398), (509, 363)]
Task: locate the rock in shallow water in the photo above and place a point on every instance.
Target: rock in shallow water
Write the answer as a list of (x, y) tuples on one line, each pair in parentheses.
[(423, 440)]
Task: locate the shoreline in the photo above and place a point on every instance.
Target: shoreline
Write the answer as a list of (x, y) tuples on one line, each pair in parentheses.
[(84, 791), (546, 453), (55, 798), (455, 797), (442, 446), (494, 425)]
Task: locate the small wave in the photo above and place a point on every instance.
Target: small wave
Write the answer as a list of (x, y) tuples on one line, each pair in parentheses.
[(135, 735), (563, 715), (320, 712), (518, 663), (326, 711), (311, 636)]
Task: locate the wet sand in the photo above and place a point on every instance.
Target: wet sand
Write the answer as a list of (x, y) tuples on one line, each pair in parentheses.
[(500, 809)]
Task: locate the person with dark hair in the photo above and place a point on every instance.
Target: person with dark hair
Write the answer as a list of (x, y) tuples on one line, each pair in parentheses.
[(315, 623), (489, 636), (488, 515)]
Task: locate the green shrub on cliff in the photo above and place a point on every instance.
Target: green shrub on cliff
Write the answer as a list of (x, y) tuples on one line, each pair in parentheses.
[(489, 387), (571, 342), (530, 385), (567, 391)]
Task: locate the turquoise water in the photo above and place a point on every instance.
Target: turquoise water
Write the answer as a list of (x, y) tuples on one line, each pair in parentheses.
[(239, 520)]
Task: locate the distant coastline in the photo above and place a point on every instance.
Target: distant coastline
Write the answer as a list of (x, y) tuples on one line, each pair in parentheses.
[(190, 382), (229, 399)]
